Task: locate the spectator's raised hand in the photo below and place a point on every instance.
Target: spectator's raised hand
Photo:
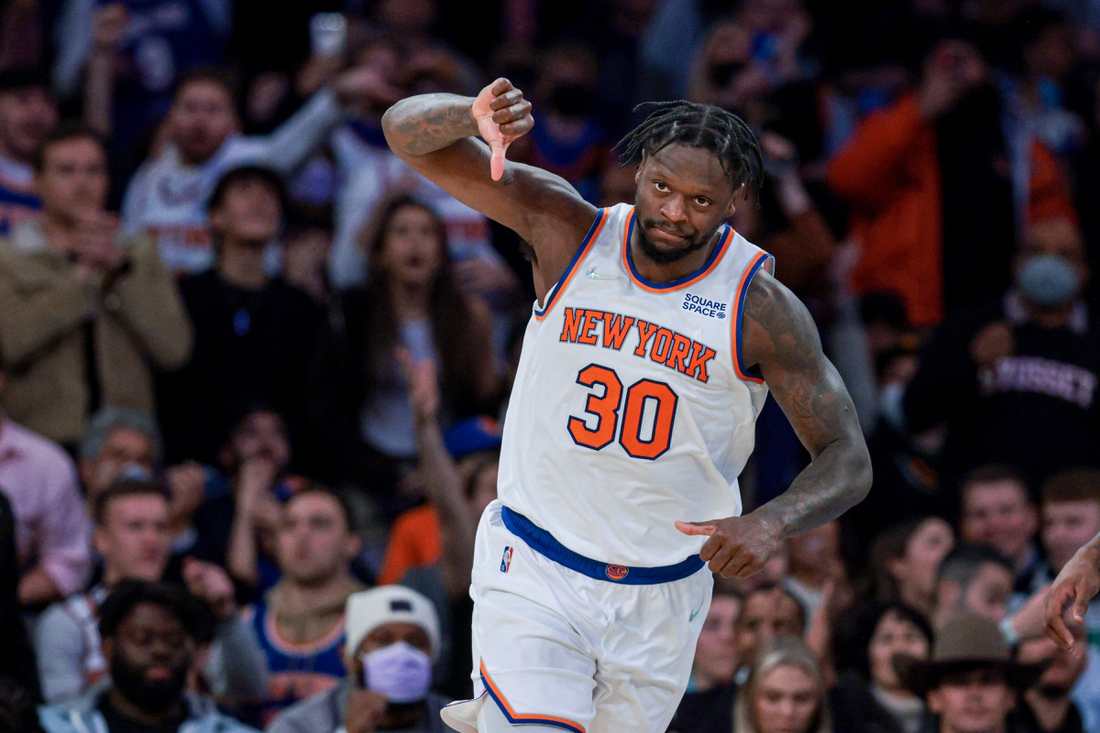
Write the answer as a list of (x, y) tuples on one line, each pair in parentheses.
[(1077, 584), (502, 115), (951, 71), (212, 584), (423, 386), (108, 25), (254, 484)]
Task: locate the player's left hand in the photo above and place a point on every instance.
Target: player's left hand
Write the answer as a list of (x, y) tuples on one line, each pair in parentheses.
[(738, 546)]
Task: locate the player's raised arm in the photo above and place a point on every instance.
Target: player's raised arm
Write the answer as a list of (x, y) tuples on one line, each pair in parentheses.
[(459, 143), (781, 340)]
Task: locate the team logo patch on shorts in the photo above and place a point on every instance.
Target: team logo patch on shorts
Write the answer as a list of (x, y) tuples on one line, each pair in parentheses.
[(506, 560), (617, 572)]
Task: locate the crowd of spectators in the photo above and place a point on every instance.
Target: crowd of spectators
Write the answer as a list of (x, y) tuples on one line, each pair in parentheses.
[(252, 366)]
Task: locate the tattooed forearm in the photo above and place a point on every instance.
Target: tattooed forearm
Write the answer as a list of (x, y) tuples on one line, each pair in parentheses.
[(428, 122), (781, 338)]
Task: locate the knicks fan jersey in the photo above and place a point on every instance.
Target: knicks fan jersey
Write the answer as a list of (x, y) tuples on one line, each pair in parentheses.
[(631, 407)]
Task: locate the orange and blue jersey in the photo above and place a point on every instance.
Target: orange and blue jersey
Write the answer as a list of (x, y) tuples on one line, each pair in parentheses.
[(296, 670), (633, 405)]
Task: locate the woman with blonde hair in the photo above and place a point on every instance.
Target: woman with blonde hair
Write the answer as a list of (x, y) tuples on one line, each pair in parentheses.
[(785, 692)]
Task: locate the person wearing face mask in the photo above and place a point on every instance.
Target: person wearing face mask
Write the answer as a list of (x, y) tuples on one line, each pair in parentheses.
[(392, 641), (568, 140), (1014, 380), (152, 633)]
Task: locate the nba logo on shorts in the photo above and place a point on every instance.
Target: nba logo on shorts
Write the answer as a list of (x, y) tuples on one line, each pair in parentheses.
[(616, 572), (506, 560)]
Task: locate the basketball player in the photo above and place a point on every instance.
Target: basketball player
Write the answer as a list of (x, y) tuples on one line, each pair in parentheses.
[(644, 366), (1075, 586)]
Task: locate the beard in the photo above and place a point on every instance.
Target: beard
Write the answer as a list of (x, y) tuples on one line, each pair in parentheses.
[(665, 256), (155, 697)]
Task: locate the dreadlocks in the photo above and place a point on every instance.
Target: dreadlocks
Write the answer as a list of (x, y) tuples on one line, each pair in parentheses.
[(698, 126)]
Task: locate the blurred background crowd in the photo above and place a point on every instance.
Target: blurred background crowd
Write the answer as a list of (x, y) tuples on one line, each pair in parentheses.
[(252, 366)]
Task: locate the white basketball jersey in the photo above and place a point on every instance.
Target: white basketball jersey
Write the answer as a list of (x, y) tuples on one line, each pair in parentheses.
[(631, 407)]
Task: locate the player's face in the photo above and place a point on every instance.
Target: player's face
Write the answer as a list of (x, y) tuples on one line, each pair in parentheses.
[(786, 701), (26, 115), (683, 196), (202, 118)]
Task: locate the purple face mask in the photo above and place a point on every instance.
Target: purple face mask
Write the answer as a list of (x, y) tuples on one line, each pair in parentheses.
[(399, 671)]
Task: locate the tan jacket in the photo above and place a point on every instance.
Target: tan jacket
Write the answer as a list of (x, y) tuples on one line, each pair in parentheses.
[(138, 319)]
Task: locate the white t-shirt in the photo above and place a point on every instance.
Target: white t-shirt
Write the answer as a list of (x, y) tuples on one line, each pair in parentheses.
[(168, 197)]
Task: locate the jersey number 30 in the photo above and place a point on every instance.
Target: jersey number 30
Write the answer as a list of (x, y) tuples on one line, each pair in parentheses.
[(606, 409)]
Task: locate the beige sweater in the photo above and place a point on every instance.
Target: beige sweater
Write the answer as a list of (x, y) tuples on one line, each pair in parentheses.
[(138, 320)]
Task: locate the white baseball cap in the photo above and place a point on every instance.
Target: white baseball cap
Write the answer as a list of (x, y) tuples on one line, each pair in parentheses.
[(367, 610)]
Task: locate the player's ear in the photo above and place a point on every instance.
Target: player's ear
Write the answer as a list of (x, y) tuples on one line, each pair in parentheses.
[(738, 195)]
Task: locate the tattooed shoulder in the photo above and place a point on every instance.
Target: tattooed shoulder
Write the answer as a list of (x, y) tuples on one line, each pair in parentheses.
[(777, 327)]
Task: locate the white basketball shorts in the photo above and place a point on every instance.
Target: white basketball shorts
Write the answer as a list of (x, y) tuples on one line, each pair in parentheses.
[(558, 646)]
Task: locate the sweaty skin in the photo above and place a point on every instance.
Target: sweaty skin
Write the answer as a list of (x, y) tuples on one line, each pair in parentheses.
[(683, 196)]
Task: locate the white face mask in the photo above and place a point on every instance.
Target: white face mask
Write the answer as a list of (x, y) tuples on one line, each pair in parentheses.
[(399, 671)]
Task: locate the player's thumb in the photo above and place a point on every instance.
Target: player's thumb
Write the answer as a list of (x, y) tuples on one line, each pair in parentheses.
[(496, 163), (696, 528)]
